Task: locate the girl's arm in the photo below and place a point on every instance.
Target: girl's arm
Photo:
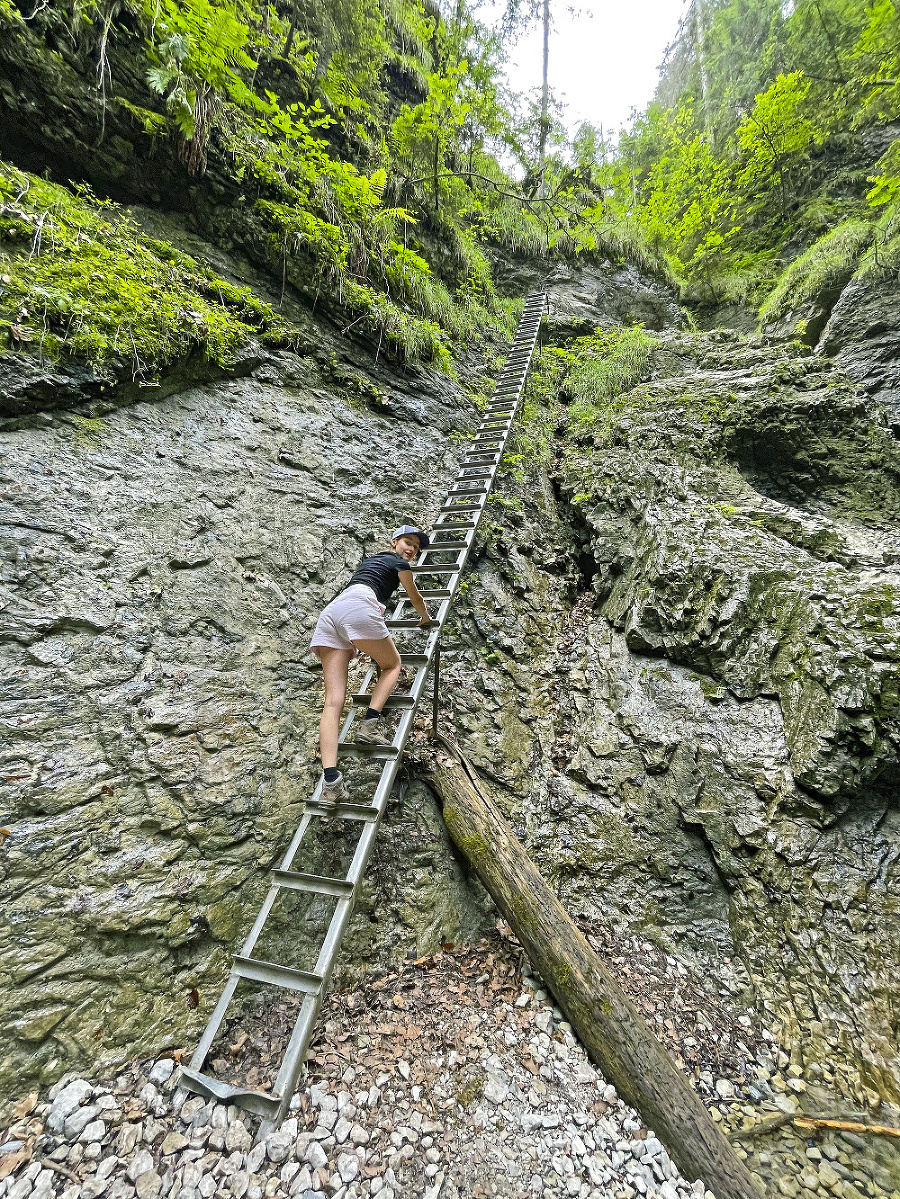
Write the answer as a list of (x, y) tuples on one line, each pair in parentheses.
[(409, 586)]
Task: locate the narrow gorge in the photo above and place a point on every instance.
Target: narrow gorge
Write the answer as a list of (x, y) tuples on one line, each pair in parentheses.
[(675, 660)]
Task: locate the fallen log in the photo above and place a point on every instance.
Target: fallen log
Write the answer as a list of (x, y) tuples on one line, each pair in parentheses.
[(607, 1023)]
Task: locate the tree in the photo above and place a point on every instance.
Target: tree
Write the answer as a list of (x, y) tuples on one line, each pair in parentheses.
[(774, 137), (421, 133)]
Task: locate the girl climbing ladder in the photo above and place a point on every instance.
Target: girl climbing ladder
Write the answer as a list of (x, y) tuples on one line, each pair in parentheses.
[(354, 623)]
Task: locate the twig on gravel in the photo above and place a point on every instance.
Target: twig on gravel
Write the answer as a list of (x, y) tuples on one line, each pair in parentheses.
[(47, 1164), (810, 1123)]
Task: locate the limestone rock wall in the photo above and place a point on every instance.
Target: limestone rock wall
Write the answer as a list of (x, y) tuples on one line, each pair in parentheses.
[(163, 567), (686, 662), (675, 660)]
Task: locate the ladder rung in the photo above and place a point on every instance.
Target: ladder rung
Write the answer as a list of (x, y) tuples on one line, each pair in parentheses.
[(403, 623), (414, 659), (257, 1102), (315, 884), (344, 811), (434, 570), (469, 490), (392, 701), (437, 593), (278, 976), (456, 526), (446, 545)]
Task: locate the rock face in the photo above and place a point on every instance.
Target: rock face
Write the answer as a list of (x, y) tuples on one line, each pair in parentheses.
[(863, 335), (676, 662), (163, 567), (582, 296), (687, 686)]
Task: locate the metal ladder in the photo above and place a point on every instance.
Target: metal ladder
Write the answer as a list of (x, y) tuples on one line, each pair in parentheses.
[(445, 559)]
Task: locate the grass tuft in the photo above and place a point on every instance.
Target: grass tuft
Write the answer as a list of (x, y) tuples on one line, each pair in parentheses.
[(826, 263)]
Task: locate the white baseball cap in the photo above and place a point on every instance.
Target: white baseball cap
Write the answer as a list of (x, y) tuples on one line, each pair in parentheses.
[(411, 531)]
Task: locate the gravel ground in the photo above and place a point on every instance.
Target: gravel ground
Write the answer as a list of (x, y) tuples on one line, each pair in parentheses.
[(454, 1078)]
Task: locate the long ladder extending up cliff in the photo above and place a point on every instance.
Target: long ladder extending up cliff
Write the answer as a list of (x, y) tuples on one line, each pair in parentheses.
[(445, 559)]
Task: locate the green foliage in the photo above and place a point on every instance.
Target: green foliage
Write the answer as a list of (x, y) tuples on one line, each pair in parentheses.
[(830, 260), (688, 195), (581, 384), (196, 53), (886, 184), (884, 256), (83, 281), (724, 171), (603, 367), (774, 136), (384, 206), (541, 410)]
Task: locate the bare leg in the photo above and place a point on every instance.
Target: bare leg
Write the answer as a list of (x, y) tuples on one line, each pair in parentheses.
[(384, 654), (334, 670)]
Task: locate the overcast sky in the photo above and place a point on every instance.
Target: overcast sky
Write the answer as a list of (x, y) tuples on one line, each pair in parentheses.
[(602, 65)]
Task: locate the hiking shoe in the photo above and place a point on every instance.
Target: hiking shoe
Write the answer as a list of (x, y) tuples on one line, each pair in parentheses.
[(333, 793), (370, 734)]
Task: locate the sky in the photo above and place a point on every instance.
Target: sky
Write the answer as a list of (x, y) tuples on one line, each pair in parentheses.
[(601, 65)]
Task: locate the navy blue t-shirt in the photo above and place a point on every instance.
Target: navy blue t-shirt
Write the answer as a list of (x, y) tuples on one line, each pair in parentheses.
[(381, 573)]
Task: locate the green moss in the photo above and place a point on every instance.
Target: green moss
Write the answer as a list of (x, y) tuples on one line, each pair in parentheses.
[(826, 262), (88, 430), (80, 279)]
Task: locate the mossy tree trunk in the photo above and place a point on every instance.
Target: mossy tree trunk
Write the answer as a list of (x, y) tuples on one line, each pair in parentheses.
[(610, 1027)]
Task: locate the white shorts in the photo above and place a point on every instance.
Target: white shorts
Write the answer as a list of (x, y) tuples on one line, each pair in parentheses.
[(355, 615)]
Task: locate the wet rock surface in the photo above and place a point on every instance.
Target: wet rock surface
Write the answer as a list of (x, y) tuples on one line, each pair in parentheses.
[(685, 656), (163, 564), (676, 665), (863, 335), (584, 295)]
